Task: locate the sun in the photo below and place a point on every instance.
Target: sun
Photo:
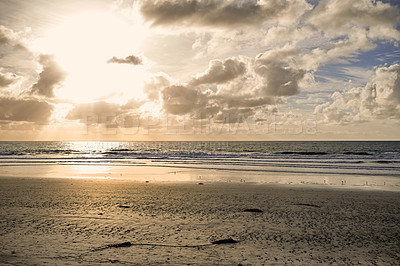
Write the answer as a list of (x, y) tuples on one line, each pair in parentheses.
[(83, 43)]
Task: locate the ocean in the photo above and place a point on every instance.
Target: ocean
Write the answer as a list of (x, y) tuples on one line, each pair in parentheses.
[(364, 162)]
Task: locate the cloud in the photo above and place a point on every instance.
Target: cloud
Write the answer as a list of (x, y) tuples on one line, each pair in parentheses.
[(11, 38), (180, 100), (338, 31), (219, 13), (30, 110), (230, 95), (153, 86), (83, 110), (198, 104), (348, 28), (248, 101), (6, 35), (311, 42), (280, 77), (221, 108), (177, 98), (336, 16), (105, 115), (220, 72), (233, 115), (101, 109), (110, 115), (7, 79), (130, 60), (379, 99), (50, 78)]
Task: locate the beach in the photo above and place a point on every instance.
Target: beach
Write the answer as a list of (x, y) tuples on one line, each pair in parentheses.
[(199, 132), (92, 221)]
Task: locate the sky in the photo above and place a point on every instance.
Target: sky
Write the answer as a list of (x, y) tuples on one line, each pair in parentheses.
[(199, 70)]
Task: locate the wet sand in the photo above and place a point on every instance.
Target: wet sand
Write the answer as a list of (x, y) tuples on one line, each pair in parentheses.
[(62, 221)]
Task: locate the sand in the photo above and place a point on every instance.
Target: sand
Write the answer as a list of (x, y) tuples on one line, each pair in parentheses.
[(68, 221)]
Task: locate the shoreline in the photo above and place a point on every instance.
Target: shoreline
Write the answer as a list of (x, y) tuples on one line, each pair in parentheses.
[(365, 188), (177, 173)]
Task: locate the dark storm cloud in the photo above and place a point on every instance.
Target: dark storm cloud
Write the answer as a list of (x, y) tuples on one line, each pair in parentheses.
[(130, 60), (50, 78), (24, 110), (221, 72), (216, 12)]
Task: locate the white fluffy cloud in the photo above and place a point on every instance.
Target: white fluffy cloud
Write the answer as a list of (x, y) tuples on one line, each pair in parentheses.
[(280, 76), (337, 17), (379, 99), (220, 91), (348, 28), (220, 72)]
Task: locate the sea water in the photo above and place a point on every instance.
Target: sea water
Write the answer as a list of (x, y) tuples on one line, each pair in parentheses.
[(324, 162)]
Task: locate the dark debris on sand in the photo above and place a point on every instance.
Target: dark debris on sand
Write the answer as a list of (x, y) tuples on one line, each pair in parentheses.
[(129, 244), (124, 206), (308, 205), (252, 210), (225, 241)]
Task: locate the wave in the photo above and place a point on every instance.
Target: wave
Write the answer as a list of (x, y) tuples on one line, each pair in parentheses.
[(384, 161), (10, 153), (357, 153), (302, 153), (120, 150), (254, 153), (40, 151), (324, 153)]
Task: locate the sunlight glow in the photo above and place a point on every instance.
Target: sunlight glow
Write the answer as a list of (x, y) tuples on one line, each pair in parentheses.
[(83, 44)]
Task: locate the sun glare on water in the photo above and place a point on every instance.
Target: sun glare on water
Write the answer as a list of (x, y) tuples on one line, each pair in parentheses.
[(83, 43)]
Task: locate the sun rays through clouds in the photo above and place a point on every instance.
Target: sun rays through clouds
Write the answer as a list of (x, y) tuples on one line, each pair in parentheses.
[(200, 69)]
